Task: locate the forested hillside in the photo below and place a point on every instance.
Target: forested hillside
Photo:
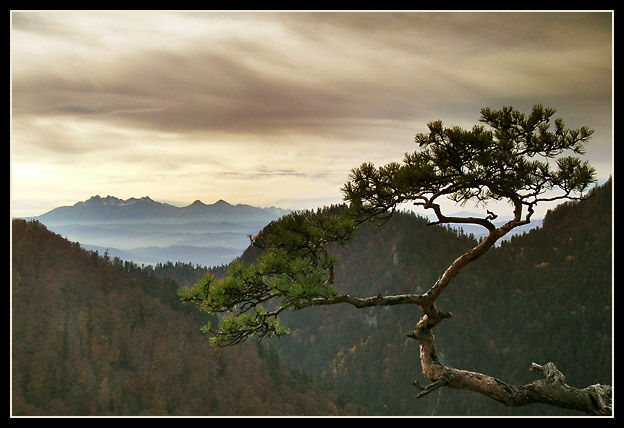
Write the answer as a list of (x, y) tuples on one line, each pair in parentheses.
[(543, 296), (97, 336)]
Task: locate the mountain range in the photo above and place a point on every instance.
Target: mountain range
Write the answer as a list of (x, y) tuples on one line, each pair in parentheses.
[(148, 232), (111, 209)]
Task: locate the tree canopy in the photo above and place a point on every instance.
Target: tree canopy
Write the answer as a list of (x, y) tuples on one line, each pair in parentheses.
[(511, 161)]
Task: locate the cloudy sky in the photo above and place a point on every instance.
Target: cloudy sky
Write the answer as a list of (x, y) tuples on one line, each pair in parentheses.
[(275, 108)]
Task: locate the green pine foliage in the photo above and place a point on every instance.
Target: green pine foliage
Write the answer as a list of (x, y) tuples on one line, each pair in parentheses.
[(294, 267), (516, 159)]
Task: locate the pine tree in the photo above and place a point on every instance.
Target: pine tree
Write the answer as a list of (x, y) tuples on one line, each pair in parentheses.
[(518, 160)]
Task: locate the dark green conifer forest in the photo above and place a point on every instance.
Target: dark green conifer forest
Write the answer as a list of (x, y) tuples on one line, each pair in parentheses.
[(97, 336)]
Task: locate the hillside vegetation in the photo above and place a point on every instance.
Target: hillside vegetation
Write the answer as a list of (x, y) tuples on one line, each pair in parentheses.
[(97, 336), (543, 296), (93, 335)]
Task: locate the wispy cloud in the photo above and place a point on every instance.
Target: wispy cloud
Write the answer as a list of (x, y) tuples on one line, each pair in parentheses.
[(272, 95)]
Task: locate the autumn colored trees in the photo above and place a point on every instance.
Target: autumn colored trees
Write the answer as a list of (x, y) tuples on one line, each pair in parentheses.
[(90, 338)]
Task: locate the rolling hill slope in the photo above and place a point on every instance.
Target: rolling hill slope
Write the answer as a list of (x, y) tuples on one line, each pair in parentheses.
[(98, 336)]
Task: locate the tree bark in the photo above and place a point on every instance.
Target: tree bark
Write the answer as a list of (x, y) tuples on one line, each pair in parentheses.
[(593, 400)]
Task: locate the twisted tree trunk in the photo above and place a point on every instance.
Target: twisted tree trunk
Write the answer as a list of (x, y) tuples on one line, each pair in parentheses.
[(593, 400)]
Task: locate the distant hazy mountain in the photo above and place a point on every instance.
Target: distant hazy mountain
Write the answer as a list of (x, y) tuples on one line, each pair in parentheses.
[(146, 231), (111, 209)]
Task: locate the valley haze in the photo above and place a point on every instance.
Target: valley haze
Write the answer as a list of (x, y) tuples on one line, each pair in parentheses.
[(148, 232)]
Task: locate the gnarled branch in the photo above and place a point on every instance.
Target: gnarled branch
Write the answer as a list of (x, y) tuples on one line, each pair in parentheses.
[(593, 400), (362, 303)]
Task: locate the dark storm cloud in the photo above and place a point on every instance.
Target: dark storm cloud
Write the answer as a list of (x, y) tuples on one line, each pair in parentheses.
[(361, 66), (205, 90), (457, 31)]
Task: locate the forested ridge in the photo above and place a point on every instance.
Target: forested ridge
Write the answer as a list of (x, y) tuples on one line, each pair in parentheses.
[(95, 336), (542, 296)]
